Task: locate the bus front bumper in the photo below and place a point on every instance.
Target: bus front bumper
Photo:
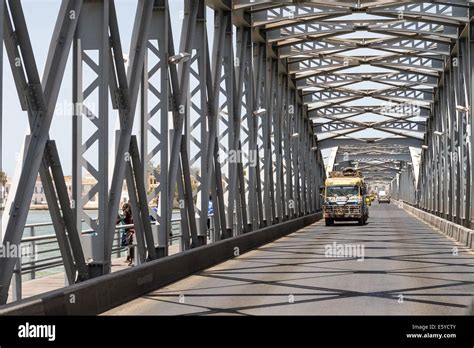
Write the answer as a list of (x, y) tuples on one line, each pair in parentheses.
[(348, 211)]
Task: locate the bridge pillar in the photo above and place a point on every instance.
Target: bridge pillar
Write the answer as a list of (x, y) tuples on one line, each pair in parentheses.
[(470, 116), (91, 175), (154, 121)]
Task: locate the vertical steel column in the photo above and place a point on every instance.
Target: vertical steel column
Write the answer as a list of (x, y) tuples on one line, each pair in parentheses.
[(222, 24), (458, 141), (433, 148), (445, 155), (225, 128), (277, 133), (459, 69), (252, 132), (286, 148), (3, 188), (196, 134), (298, 154), (438, 153), (303, 154), (470, 115), (248, 131), (91, 50), (272, 69), (259, 114), (289, 152), (179, 163), (154, 130), (283, 146), (241, 112), (295, 157), (451, 141), (463, 67), (266, 140)]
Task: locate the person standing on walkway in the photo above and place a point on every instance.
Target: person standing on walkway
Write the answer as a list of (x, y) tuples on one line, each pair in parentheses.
[(126, 218), (210, 213)]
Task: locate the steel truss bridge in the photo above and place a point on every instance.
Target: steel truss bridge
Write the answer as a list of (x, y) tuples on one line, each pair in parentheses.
[(387, 85)]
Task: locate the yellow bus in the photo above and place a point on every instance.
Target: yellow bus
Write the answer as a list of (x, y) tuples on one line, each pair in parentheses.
[(344, 197)]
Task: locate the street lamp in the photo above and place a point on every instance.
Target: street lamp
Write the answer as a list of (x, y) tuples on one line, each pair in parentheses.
[(259, 112), (179, 58), (295, 135), (424, 147), (462, 108), (438, 133)]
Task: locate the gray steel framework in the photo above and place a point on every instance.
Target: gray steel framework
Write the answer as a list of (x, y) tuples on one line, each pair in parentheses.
[(444, 184), (240, 117)]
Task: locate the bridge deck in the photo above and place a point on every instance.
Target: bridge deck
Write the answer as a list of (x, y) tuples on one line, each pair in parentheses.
[(403, 256)]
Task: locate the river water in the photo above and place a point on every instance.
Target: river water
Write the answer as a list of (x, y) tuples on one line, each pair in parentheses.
[(43, 216), (43, 251)]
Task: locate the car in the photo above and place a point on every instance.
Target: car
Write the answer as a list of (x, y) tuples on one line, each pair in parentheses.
[(384, 199)]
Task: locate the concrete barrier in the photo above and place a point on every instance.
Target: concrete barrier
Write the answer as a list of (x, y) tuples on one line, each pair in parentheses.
[(98, 295), (462, 234)]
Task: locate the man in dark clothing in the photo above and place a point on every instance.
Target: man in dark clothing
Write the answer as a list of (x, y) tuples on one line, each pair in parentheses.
[(127, 219)]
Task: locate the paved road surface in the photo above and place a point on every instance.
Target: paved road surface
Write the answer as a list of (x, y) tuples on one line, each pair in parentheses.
[(402, 257)]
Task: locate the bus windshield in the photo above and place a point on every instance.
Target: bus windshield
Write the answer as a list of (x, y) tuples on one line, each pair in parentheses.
[(334, 191)]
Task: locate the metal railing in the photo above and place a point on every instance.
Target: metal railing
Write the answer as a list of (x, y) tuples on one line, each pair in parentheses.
[(44, 257), (47, 246)]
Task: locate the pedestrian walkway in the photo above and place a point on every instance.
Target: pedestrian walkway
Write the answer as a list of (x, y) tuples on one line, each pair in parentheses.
[(56, 281)]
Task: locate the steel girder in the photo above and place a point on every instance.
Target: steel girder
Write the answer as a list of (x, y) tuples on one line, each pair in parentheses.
[(444, 186), (409, 51), (93, 102), (220, 121), (374, 157), (154, 122), (324, 144)]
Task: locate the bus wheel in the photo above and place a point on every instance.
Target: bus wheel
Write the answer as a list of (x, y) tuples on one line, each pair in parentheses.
[(329, 222)]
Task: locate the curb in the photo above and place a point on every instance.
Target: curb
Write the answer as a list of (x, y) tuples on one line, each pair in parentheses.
[(461, 234)]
